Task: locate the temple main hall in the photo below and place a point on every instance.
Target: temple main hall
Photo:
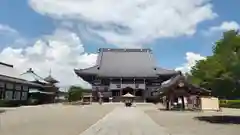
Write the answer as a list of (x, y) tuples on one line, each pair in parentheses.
[(121, 71)]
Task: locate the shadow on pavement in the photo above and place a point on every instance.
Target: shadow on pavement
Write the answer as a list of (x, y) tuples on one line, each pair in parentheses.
[(225, 119), (186, 110), (2, 111)]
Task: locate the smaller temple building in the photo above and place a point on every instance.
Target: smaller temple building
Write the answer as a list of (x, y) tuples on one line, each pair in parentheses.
[(12, 86), (121, 71), (177, 92), (46, 93)]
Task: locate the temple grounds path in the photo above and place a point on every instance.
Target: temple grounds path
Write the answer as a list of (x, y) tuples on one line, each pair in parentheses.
[(126, 121), (226, 122), (114, 119), (51, 119)]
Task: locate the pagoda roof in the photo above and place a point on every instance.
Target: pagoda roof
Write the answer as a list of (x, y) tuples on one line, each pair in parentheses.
[(125, 63), (50, 79)]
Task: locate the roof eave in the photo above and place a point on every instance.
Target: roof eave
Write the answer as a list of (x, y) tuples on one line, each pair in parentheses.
[(20, 81), (85, 76)]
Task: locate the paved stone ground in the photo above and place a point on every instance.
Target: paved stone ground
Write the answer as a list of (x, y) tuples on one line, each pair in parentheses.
[(185, 123), (111, 119), (126, 121), (51, 119)]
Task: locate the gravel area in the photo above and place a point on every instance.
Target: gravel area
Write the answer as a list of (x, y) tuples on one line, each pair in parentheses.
[(51, 119), (226, 122)]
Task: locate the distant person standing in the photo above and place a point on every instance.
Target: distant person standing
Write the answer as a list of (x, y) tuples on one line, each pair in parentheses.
[(100, 96), (110, 99)]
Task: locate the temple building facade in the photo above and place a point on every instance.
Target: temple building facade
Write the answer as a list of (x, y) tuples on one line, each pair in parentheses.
[(12, 86), (48, 90), (121, 71)]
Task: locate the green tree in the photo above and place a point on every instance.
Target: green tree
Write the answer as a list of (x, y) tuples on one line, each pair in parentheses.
[(75, 93), (221, 71)]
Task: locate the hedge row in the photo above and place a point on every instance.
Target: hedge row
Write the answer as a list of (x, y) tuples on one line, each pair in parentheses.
[(4, 103), (230, 103)]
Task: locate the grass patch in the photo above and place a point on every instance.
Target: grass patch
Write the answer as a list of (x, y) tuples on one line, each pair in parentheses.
[(230, 103)]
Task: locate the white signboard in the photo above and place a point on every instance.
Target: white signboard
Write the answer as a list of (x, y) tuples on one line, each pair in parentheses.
[(128, 85), (99, 88), (122, 86)]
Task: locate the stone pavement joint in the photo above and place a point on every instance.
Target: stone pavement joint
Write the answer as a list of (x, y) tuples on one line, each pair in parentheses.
[(125, 121)]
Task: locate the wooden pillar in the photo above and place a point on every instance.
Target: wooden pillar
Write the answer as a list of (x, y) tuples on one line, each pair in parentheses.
[(121, 87), (167, 102), (144, 92), (183, 103), (109, 89)]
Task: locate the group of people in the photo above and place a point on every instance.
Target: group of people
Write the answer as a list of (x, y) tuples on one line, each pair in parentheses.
[(100, 98)]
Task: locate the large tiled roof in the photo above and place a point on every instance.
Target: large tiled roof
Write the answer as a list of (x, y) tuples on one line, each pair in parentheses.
[(10, 74), (31, 76), (125, 63), (17, 80), (8, 70)]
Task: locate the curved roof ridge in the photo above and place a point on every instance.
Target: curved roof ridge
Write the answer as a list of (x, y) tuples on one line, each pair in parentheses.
[(88, 68), (115, 62), (33, 75)]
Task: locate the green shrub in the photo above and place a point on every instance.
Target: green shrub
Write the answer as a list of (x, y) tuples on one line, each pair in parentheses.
[(5, 103), (75, 93), (230, 103), (2, 103)]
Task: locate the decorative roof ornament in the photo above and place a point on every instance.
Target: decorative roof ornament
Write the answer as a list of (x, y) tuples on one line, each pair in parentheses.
[(181, 84), (50, 79)]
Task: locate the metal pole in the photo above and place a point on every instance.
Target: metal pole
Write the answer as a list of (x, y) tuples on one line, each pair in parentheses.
[(134, 90), (144, 91)]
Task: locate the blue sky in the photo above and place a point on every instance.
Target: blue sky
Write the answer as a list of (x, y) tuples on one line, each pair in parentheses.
[(33, 22)]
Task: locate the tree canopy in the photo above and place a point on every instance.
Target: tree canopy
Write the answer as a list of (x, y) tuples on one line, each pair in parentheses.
[(75, 93), (221, 71)]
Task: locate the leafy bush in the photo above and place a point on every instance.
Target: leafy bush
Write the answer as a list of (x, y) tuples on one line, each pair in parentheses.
[(75, 93), (5, 103), (230, 103), (2, 103)]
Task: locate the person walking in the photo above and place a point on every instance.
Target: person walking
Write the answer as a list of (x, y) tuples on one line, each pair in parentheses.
[(100, 98)]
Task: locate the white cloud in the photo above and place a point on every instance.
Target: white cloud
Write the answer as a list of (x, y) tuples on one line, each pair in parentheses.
[(61, 52), (191, 59), (130, 23), (6, 29), (225, 26)]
